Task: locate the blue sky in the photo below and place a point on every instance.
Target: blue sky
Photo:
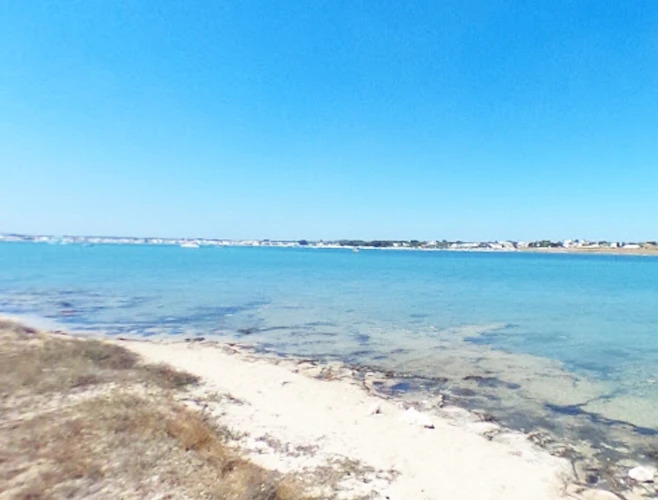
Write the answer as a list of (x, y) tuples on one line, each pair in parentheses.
[(493, 119)]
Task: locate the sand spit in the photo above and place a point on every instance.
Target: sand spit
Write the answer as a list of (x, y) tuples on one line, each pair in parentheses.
[(301, 417)]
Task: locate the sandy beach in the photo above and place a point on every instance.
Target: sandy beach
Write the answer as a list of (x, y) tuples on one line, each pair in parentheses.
[(318, 425), (299, 416)]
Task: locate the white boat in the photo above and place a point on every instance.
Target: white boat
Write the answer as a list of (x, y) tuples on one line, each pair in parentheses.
[(189, 244), (355, 250)]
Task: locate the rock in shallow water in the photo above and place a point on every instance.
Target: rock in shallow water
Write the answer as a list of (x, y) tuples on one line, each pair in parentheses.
[(642, 474)]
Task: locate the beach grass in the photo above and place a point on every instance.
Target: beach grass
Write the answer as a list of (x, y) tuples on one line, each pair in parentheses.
[(85, 418)]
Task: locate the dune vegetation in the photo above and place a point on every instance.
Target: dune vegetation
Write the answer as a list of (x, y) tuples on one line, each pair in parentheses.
[(84, 418)]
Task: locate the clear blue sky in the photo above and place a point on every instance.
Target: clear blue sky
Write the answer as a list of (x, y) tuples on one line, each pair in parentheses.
[(496, 119)]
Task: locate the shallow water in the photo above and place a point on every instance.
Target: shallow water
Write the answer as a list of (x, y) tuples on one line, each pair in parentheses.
[(565, 342)]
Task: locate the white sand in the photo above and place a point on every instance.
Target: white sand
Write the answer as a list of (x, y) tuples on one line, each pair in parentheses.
[(287, 412)]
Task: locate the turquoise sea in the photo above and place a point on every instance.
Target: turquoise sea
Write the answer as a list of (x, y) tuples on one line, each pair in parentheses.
[(567, 344)]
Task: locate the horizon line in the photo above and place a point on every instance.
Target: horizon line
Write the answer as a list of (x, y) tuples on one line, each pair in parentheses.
[(335, 240)]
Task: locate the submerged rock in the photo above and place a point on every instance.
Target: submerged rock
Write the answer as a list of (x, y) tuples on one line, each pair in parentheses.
[(642, 474)]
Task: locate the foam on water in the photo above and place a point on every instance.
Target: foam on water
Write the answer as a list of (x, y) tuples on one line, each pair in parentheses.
[(566, 343)]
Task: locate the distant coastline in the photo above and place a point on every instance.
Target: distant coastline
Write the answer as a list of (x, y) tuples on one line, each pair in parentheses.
[(646, 248)]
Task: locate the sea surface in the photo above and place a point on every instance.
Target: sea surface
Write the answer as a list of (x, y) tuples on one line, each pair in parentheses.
[(567, 344)]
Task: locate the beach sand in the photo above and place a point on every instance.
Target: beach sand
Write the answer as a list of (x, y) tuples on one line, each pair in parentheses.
[(298, 416), (326, 427)]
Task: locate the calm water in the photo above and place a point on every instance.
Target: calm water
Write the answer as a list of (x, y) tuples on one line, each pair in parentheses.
[(574, 335)]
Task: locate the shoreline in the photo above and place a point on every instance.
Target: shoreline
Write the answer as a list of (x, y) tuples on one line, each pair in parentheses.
[(298, 413), (578, 471), (421, 451), (639, 252), (643, 251), (522, 392)]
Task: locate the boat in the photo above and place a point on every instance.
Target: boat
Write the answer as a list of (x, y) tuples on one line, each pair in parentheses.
[(355, 250)]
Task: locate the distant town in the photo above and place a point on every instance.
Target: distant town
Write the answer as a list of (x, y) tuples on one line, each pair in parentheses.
[(547, 245)]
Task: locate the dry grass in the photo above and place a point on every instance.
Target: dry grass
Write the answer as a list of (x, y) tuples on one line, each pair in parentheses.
[(85, 419), (168, 378)]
